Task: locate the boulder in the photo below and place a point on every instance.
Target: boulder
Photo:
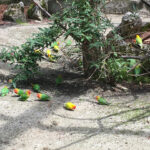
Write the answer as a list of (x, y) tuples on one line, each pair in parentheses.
[(15, 12), (122, 6), (131, 23), (34, 11)]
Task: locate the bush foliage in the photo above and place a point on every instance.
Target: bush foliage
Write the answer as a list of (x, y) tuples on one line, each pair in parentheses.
[(84, 21)]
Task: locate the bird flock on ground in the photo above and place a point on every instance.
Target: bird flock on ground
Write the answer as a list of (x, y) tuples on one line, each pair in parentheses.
[(24, 95)]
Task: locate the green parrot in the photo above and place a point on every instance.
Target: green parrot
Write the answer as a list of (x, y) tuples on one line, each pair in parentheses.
[(4, 91), (36, 88), (101, 100), (18, 91), (25, 96), (59, 80), (139, 41), (137, 69), (43, 97)]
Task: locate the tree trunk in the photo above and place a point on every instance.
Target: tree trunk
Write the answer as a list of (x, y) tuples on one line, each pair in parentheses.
[(90, 56)]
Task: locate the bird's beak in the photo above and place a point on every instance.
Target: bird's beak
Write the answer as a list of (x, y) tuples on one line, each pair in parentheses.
[(74, 107)]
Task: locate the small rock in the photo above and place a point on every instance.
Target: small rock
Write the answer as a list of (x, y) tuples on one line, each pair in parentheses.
[(121, 87), (54, 123)]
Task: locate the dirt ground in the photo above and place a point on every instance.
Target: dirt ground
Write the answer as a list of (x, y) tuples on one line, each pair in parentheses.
[(35, 125)]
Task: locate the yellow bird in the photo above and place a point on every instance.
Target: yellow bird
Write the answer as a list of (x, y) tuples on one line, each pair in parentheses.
[(49, 53), (139, 41), (70, 106), (50, 56), (56, 48)]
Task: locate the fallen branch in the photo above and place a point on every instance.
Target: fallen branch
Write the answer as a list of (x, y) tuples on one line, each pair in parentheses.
[(135, 57), (133, 67), (47, 13), (143, 74)]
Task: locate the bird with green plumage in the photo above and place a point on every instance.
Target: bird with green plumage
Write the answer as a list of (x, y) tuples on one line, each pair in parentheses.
[(43, 97), (101, 100), (19, 92), (59, 79), (25, 96), (137, 69), (36, 88), (4, 91)]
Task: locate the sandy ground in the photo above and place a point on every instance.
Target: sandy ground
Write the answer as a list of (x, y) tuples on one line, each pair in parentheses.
[(35, 125)]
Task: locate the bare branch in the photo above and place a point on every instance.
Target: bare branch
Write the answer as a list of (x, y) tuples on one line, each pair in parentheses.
[(133, 67), (46, 12), (49, 15), (143, 74), (135, 57)]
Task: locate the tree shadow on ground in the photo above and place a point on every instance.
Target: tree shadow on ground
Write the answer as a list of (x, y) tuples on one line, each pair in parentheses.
[(15, 126), (73, 83), (104, 129), (8, 25)]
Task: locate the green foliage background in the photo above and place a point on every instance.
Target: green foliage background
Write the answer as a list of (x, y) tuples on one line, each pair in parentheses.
[(84, 21)]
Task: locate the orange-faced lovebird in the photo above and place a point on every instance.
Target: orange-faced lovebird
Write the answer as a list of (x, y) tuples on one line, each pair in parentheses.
[(70, 106), (101, 100), (25, 96), (43, 97)]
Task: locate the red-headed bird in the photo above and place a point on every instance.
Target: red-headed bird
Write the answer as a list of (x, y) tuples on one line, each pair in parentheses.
[(70, 106), (25, 96), (43, 97), (101, 100), (18, 91)]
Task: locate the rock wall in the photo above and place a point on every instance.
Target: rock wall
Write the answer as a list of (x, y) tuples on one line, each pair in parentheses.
[(26, 2), (122, 6)]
